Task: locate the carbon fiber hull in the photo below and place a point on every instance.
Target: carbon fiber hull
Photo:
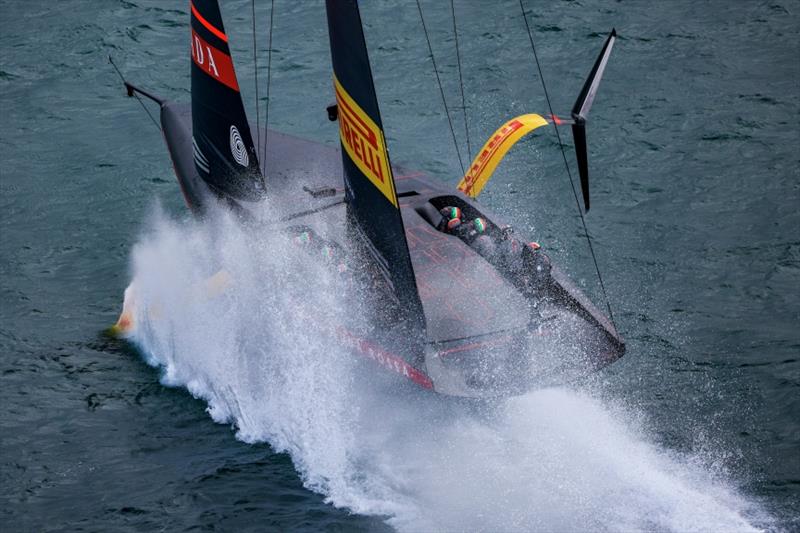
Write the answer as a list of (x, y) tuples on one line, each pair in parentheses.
[(490, 329)]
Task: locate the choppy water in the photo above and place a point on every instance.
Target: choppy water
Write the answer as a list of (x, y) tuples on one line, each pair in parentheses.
[(693, 143)]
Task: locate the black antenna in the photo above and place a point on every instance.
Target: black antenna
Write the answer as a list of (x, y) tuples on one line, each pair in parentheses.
[(581, 110), (589, 91)]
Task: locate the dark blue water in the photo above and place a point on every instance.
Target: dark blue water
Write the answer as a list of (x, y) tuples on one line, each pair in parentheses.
[(694, 154)]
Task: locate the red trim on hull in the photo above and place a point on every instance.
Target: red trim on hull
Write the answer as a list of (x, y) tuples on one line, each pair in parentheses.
[(389, 360)]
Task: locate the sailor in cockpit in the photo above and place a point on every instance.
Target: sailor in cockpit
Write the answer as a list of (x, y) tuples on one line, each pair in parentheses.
[(523, 261)]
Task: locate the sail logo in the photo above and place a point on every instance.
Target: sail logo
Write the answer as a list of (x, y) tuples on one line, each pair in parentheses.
[(213, 62), (363, 141), (488, 151), (494, 150), (238, 149)]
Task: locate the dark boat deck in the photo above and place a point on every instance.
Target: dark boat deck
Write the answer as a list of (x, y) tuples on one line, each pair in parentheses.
[(474, 314), (462, 294)]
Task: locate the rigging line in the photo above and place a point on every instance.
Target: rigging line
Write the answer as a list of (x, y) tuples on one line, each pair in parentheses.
[(461, 82), (119, 73), (255, 65), (441, 91), (148, 112), (566, 165), (269, 80)]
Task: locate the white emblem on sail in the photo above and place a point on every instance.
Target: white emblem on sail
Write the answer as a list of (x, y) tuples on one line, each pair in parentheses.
[(199, 159), (238, 150)]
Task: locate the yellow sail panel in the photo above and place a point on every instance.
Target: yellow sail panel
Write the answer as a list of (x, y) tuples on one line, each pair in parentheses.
[(495, 149), (364, 143)]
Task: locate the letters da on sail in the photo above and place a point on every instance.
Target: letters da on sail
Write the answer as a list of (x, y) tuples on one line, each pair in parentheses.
[(213, 62)]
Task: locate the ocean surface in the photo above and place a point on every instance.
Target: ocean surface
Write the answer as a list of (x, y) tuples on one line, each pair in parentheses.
[(227, 414)]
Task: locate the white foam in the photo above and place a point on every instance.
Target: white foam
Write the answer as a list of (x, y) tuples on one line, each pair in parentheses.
[(552, 460)]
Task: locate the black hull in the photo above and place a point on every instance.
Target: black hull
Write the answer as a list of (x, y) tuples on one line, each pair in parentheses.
[(490, 329)]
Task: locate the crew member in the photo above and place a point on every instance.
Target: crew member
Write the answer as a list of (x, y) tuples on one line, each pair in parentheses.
[(475, 235), (472, 232), (524, 261), (451, 219)]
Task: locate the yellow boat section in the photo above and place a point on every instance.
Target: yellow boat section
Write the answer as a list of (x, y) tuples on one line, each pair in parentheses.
[(495, 149)]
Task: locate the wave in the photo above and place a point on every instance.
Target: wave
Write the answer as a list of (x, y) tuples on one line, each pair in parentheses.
[(251, 343)]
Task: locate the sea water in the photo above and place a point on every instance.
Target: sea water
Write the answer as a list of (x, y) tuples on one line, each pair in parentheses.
[(257, 353), (693, 159)]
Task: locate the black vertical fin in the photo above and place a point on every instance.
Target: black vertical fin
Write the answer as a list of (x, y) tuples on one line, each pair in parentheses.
[(370, 190), (223, 149), (581, 110), (579, 138)]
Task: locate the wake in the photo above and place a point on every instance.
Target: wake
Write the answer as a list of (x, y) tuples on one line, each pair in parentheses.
[(254, 345)]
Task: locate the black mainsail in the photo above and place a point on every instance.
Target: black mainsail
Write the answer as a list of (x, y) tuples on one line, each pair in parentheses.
[(372, 202), (222, 146)]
